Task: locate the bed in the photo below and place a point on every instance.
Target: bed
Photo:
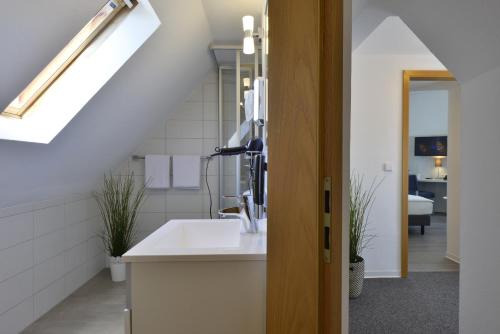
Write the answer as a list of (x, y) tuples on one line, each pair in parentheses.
[(420, 210)]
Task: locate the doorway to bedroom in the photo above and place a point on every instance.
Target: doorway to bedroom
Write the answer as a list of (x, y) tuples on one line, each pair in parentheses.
[(430, 204)]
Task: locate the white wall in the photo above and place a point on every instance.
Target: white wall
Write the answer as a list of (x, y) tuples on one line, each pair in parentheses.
[(480, 210), (47, 250), (50, 248), (428, 117), (428, 112), (191, 130), (376, 121)]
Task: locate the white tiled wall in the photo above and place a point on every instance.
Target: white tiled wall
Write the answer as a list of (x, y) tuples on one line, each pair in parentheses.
[(47, 250), (191, 130)]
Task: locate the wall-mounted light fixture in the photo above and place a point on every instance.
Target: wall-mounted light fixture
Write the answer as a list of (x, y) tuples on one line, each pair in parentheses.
[(248, 41)]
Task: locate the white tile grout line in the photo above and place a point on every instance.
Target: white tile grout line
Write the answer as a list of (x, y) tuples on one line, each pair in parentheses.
[(32, 268), (32, 296), (45, 260), (30, 206), (44, 234)]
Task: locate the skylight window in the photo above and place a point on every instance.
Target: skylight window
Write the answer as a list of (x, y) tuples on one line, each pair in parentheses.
[(79, 71), (50, 73)]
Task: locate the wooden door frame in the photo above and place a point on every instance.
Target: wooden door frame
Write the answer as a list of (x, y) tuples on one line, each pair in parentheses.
[(408, 76), (332, 77), (306, 144)]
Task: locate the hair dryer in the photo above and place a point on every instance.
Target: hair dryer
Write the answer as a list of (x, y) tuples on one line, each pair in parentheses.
[(253, 145)]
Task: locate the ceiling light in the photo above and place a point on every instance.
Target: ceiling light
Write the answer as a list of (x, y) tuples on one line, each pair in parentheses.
[(247, 23), (248, 46), (248, 41)]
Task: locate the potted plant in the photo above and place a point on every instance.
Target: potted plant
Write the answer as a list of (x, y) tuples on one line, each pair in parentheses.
[(118, 204), (361, 200)]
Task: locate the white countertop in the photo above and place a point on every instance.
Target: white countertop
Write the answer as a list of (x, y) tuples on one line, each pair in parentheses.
[(200, 240)]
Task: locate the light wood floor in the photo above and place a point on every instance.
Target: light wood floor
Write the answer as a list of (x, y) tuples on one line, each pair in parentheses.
[(95, 308), (428, 252)]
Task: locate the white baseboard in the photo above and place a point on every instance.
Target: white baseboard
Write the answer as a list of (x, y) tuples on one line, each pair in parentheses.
[(383, 274), (453, 257)]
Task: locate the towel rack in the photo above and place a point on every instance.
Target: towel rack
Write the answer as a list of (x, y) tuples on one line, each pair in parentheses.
[(140, 157)]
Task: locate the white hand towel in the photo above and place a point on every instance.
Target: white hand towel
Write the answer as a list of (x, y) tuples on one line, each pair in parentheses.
[(157, 171), (248, 105), (186, 171)]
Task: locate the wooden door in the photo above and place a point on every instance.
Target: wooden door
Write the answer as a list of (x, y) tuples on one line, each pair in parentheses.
[(305, 146)]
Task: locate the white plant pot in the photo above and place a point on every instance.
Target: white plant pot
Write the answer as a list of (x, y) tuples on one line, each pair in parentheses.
[(118, 269)]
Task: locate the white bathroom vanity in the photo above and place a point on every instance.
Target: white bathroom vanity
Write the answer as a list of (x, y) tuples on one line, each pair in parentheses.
[(198, 276)]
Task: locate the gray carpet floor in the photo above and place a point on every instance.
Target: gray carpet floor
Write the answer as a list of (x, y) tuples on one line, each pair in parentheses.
[(424, 303)]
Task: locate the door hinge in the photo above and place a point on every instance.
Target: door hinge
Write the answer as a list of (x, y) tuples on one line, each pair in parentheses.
[(327, 221)]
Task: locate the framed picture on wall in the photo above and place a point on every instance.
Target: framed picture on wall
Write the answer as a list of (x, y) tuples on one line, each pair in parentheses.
[(431, 146)]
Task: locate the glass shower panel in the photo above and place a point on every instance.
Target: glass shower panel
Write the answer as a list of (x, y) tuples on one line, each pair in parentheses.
[(228, 121), (230, 179)]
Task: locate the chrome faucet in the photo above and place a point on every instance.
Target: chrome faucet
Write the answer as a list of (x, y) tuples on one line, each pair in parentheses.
[(243, 211)]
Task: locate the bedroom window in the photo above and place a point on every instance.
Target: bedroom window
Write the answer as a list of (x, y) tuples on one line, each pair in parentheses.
[(22, 103)]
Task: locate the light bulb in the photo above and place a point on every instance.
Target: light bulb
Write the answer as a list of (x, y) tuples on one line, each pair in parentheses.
[(248, 23), (248, 45)]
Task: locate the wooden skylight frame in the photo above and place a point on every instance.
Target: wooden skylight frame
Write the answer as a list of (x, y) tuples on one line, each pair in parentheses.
[(21, 104)]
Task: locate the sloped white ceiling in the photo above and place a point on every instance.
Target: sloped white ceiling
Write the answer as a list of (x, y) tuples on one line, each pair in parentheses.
[(463, 34), (365, 18), (392, 37), (358, 6), (146, 89)]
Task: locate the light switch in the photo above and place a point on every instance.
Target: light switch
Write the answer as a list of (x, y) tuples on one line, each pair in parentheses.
[(387, 166)]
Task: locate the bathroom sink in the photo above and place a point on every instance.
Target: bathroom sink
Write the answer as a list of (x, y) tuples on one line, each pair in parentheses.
[(199, 240), (197, 234)]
